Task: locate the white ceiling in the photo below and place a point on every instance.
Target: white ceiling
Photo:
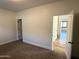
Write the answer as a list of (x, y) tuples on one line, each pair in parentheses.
[(17, 5)]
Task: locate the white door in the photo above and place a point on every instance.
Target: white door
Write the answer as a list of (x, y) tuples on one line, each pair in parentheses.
[(69, 35)]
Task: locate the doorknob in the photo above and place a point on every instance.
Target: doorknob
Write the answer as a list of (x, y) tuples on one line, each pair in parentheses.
[(70, 42)]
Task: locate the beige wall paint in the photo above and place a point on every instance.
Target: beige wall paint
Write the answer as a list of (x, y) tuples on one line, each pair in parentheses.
[(37, 21), (7, 26)]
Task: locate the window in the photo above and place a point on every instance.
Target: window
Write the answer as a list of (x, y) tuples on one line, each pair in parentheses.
[(63, 24)]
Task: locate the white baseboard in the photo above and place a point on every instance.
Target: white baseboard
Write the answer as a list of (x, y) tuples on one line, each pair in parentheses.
[(39, 45), (6, 42)]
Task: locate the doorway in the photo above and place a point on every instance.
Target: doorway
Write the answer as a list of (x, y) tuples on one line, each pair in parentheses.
[(60, 26), (62, 29), (19, 22)]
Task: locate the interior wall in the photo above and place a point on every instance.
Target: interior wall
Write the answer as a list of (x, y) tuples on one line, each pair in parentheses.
[(7, 26), (37, 21), (55, 28)]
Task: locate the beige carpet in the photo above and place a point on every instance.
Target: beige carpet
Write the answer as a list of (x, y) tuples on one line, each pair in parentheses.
[(19, 50)]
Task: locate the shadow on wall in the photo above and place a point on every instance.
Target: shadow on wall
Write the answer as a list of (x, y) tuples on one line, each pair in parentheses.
[(75, 45)]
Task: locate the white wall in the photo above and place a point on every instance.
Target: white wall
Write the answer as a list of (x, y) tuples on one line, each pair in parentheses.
[(7, 26), (55, 27), (37, 21)]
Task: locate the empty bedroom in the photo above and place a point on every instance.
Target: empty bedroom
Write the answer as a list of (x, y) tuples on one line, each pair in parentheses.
[(39, 29)]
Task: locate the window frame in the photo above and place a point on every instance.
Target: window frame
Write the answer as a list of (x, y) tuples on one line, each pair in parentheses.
[(62, 22)]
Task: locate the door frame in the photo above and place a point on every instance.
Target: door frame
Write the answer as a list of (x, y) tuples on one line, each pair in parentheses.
[(21, 29), (52, 28), (71, 29)]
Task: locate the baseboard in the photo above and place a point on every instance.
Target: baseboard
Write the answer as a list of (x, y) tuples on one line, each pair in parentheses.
[(39, 45), (7, 42)]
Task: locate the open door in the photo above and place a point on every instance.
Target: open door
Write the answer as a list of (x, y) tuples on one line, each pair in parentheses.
[(69, 35), (19, 22)]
